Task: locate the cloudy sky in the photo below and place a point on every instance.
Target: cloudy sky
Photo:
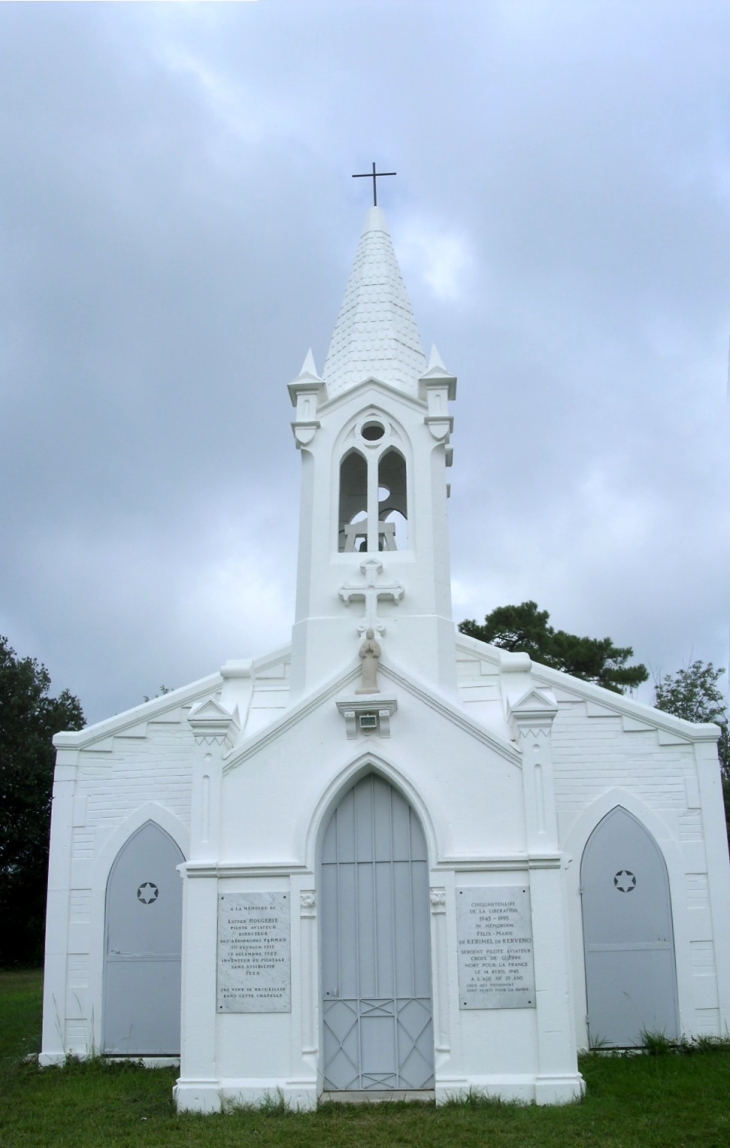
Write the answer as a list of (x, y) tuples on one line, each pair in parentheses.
[(177, 225)]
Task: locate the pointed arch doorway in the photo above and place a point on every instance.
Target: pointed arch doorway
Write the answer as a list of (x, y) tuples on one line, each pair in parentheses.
[(142, 947), (631, 981), (376, 944)]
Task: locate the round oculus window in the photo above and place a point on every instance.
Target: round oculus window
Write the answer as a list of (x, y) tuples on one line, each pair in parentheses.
[(372, 431)]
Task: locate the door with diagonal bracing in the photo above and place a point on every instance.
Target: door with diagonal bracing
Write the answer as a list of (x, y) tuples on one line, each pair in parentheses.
[(376, 944)]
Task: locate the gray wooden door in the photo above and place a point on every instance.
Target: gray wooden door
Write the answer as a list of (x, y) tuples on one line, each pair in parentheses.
[(143, 939), (376, 944), (631, 981)]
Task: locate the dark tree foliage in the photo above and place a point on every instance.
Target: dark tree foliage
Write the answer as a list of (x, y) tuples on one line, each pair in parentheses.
[(525, 629), (692, 694), (28, 720)]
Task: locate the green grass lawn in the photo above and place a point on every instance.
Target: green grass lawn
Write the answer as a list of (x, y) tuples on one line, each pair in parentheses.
[(677, 1100), (21, 1004)]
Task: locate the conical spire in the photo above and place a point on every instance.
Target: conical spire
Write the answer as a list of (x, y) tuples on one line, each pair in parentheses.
[(376, 334)]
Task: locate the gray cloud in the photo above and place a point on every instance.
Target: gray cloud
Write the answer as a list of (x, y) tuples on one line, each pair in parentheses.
[(177, 224)]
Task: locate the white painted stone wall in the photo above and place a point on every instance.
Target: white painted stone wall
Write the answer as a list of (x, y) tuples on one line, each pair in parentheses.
[(110, 779), (466, 784), (608, 750), (467, 787)]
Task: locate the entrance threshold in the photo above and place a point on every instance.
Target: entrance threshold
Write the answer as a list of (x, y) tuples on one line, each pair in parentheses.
[(377, 1096)]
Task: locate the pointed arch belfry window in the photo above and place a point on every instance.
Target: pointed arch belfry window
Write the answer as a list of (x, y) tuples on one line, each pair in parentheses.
[(373, 494), (353, 526), (393, 500)]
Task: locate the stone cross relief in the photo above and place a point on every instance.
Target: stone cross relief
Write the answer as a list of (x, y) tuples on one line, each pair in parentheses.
[(370, 592)]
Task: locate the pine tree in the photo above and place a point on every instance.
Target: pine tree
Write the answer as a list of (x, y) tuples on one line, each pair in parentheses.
[(525, 629)]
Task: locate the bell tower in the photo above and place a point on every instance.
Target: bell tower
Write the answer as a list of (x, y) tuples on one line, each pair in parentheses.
[(373, 432)]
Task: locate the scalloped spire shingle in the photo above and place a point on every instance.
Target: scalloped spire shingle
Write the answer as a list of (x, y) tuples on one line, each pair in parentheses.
[(376, 333)]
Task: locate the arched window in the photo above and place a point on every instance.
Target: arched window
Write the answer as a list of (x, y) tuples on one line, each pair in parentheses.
[(392, 501), (373, 500), (353, 526)]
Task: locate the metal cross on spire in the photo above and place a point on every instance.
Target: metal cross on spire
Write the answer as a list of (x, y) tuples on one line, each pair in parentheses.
[(374, 175)]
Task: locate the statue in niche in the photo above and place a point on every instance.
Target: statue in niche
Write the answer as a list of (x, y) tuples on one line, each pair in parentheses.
[(370, 651)]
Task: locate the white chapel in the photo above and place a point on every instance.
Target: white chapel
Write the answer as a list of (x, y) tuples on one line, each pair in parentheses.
[(387, 859)]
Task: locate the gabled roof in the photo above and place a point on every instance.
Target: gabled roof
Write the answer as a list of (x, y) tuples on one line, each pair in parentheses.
[(376, 333), (424, 692), (133, 722), (599, 701), (202, 697)]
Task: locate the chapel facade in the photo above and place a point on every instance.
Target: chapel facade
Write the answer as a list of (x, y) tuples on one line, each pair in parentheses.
[(387, 858)]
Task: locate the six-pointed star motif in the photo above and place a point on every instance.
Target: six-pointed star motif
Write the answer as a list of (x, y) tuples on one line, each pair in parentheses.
[(624, 881), (147, 893)]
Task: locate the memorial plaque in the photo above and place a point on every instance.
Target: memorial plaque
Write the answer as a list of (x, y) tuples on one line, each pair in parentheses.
[(494, 939), (254, 952)]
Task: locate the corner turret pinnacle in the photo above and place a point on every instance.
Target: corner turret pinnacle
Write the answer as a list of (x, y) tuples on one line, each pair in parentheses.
[(435, 360), (309, 370), (376, 334)]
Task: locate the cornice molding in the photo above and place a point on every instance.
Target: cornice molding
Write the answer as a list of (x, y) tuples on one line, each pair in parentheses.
[(499, 863), (371, 383), (242, 869)]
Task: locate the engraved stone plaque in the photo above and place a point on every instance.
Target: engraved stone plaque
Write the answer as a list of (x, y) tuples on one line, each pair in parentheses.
[(254, 952), (494, 940)]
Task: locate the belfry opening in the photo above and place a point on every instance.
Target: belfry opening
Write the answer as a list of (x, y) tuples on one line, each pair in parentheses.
[(373, 497)]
